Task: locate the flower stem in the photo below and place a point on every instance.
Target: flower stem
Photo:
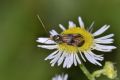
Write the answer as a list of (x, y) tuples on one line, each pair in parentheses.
[(86, 72), (97, 73)]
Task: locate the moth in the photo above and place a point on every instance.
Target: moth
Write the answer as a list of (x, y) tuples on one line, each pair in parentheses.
[(69, 39)]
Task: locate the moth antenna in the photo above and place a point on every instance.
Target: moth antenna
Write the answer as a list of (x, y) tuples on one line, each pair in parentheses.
[(42, 23)]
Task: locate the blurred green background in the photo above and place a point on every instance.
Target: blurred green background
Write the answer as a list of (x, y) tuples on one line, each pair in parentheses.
[(21, 59)]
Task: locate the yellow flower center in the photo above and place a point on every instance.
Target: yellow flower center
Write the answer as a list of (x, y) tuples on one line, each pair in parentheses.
[(88, 40)]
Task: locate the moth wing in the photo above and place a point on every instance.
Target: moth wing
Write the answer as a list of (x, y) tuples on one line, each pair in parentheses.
[(66, 38)]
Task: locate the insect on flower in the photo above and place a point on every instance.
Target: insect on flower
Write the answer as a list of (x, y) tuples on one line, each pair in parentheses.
[(70, 39), (75, 41)]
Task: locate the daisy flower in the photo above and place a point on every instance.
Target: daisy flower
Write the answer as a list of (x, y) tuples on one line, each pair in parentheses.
[(76, 43), (60, 77)]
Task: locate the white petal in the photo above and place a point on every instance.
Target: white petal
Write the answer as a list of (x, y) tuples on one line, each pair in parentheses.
[(71, 58), (65, 77), (71, 24), (56, 58), (106, 37), (61, 58), (104, 48), (97, 57), (62, 27), (53, 32), (52, 55), (81, 23), (106, 41), (99, 49), (82, 56), (91, 59), (75, 62), (91, 27), (78, 59), (101, 30), (48, 46), (66, 61), (45, 41), (60, 77)]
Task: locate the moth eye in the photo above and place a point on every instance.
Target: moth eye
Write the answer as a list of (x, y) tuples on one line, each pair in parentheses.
[(57, 37)]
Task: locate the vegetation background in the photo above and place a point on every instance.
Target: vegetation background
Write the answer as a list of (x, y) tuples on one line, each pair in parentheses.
[(21, 59)]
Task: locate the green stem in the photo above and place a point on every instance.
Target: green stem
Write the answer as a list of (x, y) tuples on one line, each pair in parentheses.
[(97, 73), (86, 72)]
